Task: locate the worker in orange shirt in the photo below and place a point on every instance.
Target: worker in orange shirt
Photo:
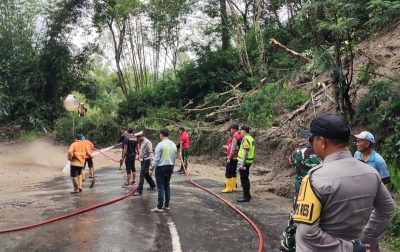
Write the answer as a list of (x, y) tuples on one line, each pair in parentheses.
[(76, 154), (88, 159)]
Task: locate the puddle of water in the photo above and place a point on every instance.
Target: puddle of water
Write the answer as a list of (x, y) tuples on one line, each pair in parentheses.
[(66, 167)]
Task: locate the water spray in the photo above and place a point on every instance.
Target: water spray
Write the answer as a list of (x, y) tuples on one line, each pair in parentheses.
[(96, 152)]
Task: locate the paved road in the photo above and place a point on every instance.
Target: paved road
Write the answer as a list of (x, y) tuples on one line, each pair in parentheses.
[(197, 221)]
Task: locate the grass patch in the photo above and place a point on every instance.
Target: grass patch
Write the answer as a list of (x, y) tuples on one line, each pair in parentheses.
[(28, 136), (391, 240)]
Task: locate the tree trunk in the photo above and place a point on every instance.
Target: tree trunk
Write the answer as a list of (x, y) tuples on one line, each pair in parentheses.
[(320, 18), (224, 24), (118, 52)]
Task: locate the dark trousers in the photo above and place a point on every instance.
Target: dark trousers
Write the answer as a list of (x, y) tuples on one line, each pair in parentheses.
[(89, 161), (75, 171), (130, 164), (244, 179), (230, 171), (144, 174), (163, 177), (185, 156)]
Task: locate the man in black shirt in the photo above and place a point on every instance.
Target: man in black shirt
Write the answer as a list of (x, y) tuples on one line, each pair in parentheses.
[(124, 133), (131, 149)]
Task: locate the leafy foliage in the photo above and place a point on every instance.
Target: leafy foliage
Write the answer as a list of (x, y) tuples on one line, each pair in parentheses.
[(380, 109), (37, 70), (98, 128), (263, 107), (391, 237)]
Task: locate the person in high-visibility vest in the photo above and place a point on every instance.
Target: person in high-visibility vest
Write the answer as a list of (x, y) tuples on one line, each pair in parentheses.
[(245, 159)]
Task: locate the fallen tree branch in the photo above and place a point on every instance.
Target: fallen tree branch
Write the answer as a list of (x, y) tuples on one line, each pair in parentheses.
[(189, 103), (288, 51), (262, 80), (163, 119), (202, 109), (304, 106), (226, 109)]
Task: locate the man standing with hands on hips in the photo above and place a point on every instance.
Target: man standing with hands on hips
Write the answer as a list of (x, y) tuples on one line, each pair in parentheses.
[(245, 159)]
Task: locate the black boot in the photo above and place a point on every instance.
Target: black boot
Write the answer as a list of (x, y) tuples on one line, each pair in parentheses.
[(244, 198), (180, 170)]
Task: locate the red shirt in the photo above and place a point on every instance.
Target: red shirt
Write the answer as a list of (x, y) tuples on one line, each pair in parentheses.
[(229, 145), (185, 140)]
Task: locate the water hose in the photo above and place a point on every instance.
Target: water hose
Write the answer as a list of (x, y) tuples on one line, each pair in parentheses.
[(70, 214), (99, 151), (76, 212), (261, 244)]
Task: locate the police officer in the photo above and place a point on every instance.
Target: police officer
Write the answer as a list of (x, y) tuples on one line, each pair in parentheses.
[(245, 159), (335, 198), (303, 160), (146, 156)]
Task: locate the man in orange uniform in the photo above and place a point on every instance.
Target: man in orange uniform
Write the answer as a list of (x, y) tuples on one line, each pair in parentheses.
[(76, 154), (88, 159)]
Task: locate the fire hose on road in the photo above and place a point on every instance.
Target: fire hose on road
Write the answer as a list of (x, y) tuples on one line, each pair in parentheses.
[(261, 242)]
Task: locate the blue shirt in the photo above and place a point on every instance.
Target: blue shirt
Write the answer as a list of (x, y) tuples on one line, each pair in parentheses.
[(376, 161), (165, 153)]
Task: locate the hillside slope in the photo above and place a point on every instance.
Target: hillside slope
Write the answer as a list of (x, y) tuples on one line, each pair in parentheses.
[(271, 171)]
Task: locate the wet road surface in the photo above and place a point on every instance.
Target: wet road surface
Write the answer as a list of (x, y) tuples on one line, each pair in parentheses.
[(197, 220)]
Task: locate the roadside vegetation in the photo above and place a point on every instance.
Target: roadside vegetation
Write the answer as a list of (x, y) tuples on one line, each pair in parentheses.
[(198, 63)]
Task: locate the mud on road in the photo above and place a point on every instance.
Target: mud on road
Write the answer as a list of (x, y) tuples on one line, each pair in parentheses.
[(33, 189)]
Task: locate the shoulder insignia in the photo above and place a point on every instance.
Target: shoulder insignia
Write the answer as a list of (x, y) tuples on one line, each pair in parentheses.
[(308, 206)]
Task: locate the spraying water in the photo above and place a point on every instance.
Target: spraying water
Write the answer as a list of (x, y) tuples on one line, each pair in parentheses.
[(66, 167)]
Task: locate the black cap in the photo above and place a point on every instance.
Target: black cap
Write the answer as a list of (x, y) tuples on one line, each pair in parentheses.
[(245, 128), (182, 128), (234, 126), (124, 128), (228, 129), (329, 126)]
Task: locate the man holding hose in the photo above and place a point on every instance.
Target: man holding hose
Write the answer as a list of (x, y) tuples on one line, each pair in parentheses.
[(76, 154)]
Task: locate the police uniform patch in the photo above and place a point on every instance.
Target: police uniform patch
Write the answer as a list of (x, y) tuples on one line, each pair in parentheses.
[(308, 206), (246, 144)]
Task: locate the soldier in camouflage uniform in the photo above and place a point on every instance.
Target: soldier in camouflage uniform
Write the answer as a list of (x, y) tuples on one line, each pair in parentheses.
[(303, 160)]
